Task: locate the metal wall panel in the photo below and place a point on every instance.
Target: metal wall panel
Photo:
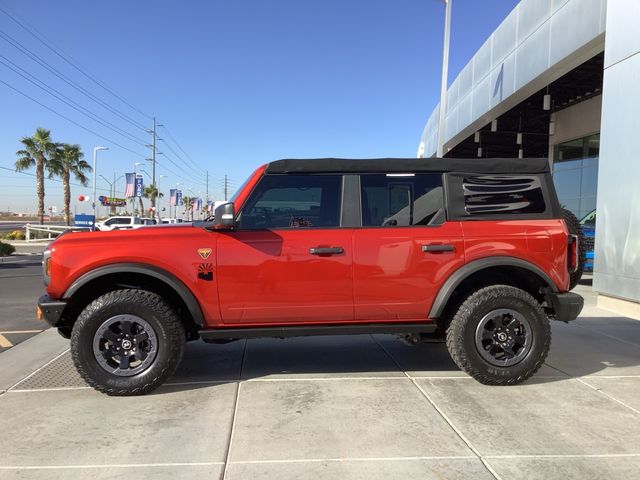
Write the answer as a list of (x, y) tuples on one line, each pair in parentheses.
[(535, 37), (617, 249)]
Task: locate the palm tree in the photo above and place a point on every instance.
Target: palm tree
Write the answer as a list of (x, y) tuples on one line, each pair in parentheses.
[(68, 159), (187, 201), (37, 151), (152, 193)]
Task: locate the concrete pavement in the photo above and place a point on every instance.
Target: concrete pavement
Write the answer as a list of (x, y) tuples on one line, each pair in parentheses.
[(361, 407)]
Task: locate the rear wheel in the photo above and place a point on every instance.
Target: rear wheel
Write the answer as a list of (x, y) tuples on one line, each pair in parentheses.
[(127, 342), (500, 335)]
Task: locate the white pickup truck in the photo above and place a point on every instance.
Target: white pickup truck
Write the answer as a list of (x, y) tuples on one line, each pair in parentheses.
[(120, 223)]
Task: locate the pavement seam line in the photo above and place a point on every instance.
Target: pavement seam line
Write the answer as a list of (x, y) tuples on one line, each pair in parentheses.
[(443, 415), (592, 387), (129, 465), (38, 369), (235, 413), (354, 459)]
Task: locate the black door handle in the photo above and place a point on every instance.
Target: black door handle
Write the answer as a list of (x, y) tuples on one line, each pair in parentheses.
[(438, 248), (325, 250)]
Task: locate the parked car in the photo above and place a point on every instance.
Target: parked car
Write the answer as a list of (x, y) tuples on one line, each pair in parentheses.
[(476, 251), (119, 223), (588, 224)]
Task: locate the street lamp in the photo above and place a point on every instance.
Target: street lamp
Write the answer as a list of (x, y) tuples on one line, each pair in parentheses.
[(110, 185), (95, 160), (445, 74), (175, 207), (160, 177)]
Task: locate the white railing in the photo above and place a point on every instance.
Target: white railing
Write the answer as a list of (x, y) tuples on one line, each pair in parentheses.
[(51, 231)]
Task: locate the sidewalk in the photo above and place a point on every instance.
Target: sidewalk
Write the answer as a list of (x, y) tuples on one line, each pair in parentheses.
[(360, 407)]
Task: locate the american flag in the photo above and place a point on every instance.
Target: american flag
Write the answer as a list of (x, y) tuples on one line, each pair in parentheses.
[(131, 185), (172, 197)]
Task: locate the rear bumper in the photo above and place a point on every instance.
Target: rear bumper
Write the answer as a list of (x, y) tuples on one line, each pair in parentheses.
[(51, 309), (566, 306)]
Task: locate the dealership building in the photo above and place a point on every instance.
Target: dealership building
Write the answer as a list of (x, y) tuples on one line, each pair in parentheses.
[(561, 79)]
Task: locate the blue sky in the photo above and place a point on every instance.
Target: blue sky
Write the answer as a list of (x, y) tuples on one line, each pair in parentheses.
[(237, 83)]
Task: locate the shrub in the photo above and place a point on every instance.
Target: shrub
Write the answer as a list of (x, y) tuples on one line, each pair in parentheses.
[(15, 235), (6, 249)]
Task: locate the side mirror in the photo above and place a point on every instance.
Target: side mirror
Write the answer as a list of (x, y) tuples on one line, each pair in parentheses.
[(224, 217)]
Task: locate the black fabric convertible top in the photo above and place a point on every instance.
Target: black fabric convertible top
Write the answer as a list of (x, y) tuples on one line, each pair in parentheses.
[(410, 165)]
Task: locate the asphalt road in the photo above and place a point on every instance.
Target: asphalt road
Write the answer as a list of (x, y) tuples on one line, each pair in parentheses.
[(20, 287)]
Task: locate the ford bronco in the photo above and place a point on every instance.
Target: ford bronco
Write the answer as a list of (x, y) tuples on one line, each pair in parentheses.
[(476, 251)]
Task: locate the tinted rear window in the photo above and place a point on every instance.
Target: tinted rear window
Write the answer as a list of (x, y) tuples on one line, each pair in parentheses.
[(502, 194)]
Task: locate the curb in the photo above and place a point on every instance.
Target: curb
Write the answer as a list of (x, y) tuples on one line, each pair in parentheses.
[(25, 358)]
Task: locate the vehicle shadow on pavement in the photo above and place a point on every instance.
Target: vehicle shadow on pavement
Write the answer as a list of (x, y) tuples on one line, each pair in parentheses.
[(597, 346), (606, 346)]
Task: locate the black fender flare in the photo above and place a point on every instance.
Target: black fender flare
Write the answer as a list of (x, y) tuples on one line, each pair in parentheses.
[(152, 271), (455, 279)]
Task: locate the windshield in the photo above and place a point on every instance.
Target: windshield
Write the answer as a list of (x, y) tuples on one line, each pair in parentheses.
[(589, 219)]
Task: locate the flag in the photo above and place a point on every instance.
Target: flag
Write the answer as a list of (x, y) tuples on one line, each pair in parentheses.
[(130, 188), (178, 197), (139, 186), (196, 205), (209, 206), (172, 197)]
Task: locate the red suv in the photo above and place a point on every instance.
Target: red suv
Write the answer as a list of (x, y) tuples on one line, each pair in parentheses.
[(476, 251)]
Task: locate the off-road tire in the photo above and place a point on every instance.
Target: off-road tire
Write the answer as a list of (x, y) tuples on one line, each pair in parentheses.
[(574, 227), (461, 335), (168, 328)]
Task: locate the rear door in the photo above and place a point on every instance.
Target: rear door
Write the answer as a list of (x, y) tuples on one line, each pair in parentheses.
[(289, 260), (405, 249)]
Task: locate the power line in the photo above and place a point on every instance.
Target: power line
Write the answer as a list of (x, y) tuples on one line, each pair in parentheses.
[(70, 120), (176, 153), (181, 149), (46, 178), (68, 101), (66, 79), (67, 58)]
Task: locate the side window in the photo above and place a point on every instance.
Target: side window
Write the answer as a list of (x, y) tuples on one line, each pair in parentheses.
[(401, 200), (110, 222), (122, 221), (502, 194), (293, 201), (136, 221)]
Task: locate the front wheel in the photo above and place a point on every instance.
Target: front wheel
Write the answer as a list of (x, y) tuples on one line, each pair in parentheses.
[(499, 336), (127, 342)]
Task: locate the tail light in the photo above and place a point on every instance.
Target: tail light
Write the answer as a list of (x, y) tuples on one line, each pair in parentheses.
[(573, 253)]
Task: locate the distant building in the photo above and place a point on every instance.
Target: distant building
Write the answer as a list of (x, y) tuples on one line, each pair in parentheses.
[(561, 79)]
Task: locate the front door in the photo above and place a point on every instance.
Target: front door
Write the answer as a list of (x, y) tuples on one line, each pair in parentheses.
[(405, 250), (289, 260)]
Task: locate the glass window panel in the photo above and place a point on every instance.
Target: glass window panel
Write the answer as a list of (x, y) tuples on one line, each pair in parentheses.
[(293, 201), (568, 182), (397, 201)]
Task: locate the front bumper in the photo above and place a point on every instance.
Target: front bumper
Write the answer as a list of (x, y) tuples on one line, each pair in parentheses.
[(50, 309), (566, 306)]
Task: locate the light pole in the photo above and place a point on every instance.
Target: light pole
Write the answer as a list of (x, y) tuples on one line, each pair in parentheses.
[(160, 177), (110, 184), (95, 164), (445, 74), (175, 207)]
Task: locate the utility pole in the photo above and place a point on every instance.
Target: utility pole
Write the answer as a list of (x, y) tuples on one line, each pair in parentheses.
[(226, 185), (207, 189)]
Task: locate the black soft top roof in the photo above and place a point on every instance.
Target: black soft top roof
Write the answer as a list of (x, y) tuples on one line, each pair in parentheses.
[(410, 165)]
